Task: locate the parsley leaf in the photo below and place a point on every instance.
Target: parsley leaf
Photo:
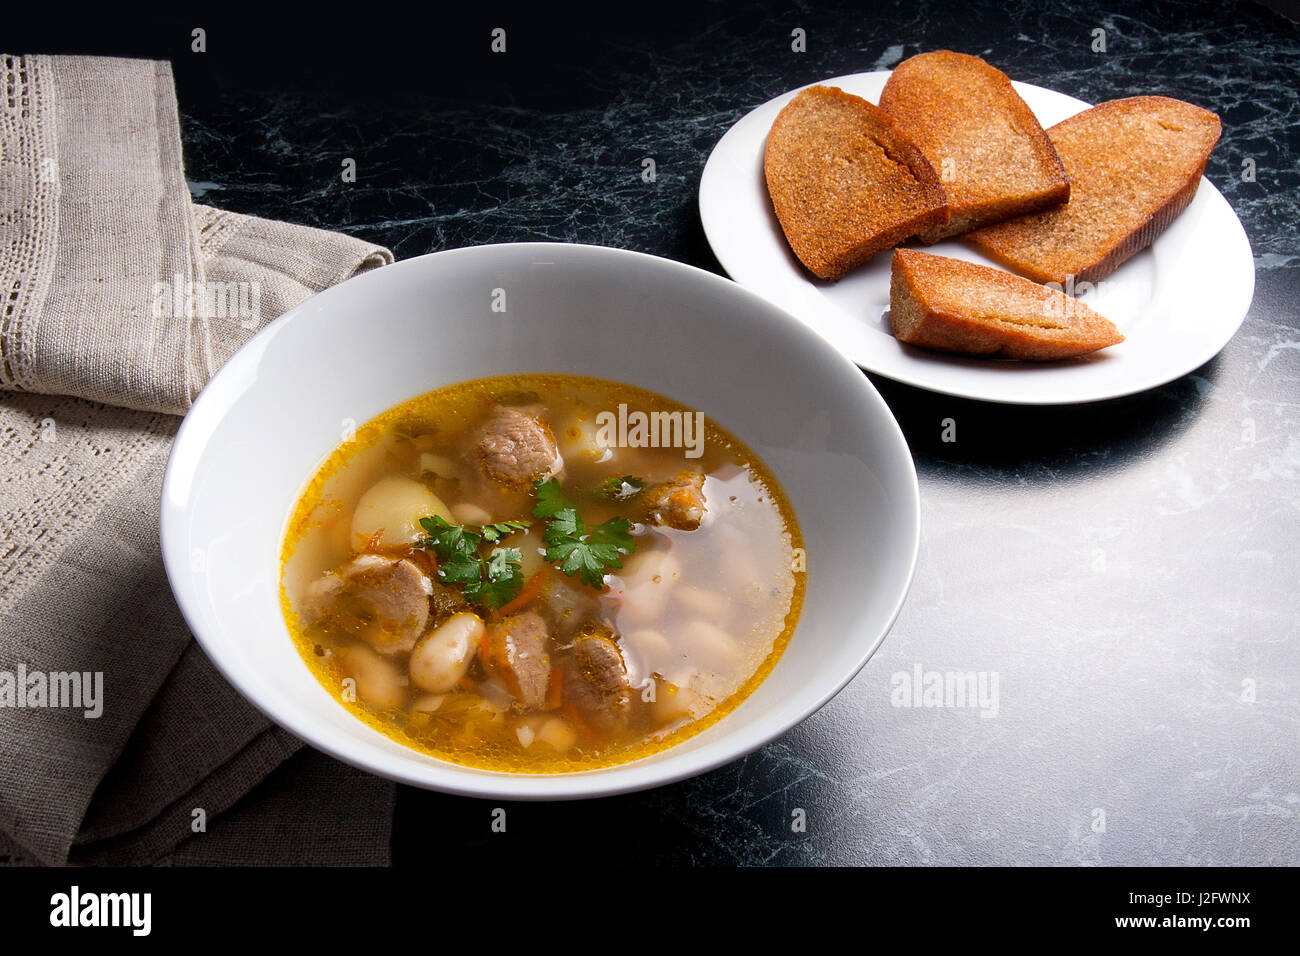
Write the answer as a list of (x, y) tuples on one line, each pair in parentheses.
[(613, 533), (503, 529), (589, 555), (505, 578), (495, 580), (621, 489), (564, 525), (460, 569), (446, 539), (550, 499)]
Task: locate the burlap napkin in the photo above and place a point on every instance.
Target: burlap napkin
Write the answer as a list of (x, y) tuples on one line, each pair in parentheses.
[(119, 299)]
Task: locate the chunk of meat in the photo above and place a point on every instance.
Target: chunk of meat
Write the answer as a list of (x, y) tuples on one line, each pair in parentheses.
[(383, 601), (678, 503), (568, 604), (515, 448), (444, 599), (595, 682), (517, 650)]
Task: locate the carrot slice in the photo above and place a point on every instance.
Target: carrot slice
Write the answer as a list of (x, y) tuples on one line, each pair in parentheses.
[(555, 689), (532, 587)]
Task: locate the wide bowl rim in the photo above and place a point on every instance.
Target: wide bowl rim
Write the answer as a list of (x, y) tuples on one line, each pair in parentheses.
[(633, 776)]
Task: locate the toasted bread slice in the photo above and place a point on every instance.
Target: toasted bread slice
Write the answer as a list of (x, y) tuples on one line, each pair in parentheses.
[(988, 148), (1134, 165), (844, 183), (957, 306)]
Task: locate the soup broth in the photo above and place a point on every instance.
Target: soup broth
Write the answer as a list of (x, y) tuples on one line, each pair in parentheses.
[(541, 573)]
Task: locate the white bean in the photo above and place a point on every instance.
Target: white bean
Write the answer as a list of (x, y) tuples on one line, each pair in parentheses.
[(647, 580), (428, 703), (392, 507), (648, 652), (658, 565), (466, 512), (643, 604), (439, 465), (443, 656), (708, 646), (378, 681), (710, 605)]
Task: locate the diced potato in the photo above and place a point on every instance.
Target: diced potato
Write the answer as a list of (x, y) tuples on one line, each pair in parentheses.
[(578, 441), (392, 508), (557, 732), (673, 703), (530, 545)]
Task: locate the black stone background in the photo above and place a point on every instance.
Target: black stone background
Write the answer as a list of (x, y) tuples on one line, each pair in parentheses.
[(1121, 687)]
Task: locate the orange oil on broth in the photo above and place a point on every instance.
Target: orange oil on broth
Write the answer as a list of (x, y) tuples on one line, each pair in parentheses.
[(735, 572)]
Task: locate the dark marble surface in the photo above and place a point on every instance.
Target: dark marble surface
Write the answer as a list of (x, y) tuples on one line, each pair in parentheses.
[(1127, 569)]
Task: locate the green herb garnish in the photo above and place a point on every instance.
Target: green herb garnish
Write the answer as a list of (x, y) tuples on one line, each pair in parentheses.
[(588, 554), (505, 579), (621, 489), (493, 580), (551, 500), (503, 529)]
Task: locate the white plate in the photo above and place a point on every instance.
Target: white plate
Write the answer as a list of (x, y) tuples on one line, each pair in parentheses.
[(1178, 302)]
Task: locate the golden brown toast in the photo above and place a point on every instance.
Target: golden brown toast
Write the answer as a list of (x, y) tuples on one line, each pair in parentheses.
[(957, 306), (1134, 165), (989, 150), (844, 183)]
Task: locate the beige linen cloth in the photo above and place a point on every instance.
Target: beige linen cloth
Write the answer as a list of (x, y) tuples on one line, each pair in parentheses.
[(101, 351)]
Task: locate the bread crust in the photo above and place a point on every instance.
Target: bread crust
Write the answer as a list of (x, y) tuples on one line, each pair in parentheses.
[(1151, 147), (951, 305), (994, 158), (844, 183)]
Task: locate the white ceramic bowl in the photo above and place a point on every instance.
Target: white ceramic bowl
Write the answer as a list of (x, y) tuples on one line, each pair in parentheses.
[(275, 411)]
